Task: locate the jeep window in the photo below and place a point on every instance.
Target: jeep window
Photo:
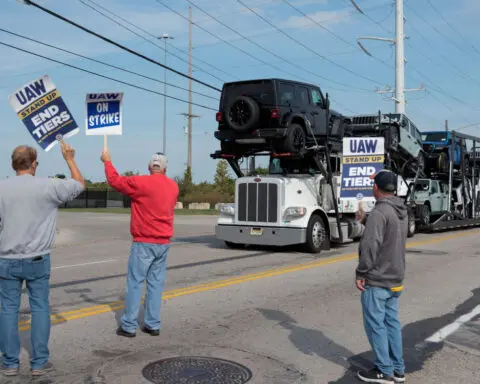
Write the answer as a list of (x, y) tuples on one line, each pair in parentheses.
[(316, 96), (422, 186), (435, 136), (434, 187), (262, 92), (285, 94), (442, 190), (302, 96)]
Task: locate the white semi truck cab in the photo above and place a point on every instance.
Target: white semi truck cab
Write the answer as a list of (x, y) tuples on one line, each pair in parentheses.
[(282, 210)]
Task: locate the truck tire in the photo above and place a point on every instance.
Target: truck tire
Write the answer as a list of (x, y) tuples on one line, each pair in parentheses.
[(296, 139), (231, 245), (442, 163), (316, 234), (412, 227), (425, 215)]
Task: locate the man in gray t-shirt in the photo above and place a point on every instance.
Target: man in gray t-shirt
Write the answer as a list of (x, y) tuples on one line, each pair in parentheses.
[(28, 214)]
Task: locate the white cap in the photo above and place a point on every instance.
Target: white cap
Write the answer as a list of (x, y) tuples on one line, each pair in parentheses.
[(159, 160)]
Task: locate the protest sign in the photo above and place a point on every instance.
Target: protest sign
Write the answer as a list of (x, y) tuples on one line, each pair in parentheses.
[(41, 108), (362, 158), (104, 114)]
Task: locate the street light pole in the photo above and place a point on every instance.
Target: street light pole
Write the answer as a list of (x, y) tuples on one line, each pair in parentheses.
[(165, 37)]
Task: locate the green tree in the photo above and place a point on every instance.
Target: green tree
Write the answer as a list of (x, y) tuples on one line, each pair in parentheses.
[(185, 183), (223, 182), (59, 176), (130, 173)]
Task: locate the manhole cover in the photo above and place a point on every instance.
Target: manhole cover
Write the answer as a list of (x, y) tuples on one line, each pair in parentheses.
[(196, 370)]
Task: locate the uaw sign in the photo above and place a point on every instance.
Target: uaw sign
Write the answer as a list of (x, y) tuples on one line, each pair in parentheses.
[(41, 108), (104, 114), (362, 158)]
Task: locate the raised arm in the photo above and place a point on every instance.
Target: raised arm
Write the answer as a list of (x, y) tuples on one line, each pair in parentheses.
[(69, 155), (123, 184)]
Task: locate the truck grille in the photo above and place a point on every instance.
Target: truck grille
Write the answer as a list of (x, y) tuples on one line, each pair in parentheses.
[(365, 120), (257, 202)]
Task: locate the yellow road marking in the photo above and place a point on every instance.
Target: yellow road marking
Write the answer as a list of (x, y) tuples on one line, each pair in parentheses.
[(62, 317)]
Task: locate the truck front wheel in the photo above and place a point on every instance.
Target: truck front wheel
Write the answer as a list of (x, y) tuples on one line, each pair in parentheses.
[(316, 234)]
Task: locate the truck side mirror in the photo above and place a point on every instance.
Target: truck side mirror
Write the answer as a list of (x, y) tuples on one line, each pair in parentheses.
[(326, 103)]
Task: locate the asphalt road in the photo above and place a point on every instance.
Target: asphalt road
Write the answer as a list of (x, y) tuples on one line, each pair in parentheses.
[(288, 317)]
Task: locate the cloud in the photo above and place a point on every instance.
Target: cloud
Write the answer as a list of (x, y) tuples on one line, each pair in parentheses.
[(326, 18)]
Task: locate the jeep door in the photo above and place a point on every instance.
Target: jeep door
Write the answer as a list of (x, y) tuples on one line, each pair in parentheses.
[(306, 107), (437, 197), (407, 141), (319, 113)]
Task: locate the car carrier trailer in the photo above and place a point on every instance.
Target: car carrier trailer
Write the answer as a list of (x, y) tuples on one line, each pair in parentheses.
[(463, 189)]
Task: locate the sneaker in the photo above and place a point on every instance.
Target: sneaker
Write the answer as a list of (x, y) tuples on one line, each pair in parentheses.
[(398, 378), (375, 376), (122, 332), (10, 371), (46, 369), (151, 332)]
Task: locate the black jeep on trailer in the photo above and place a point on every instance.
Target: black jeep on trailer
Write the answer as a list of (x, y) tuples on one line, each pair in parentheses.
[(278, 116)]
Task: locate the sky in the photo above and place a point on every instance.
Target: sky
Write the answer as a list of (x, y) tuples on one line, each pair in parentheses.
[(307, 40)]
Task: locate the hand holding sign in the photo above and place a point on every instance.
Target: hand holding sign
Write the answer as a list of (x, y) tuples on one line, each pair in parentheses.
[(106, 157), (67, 151)]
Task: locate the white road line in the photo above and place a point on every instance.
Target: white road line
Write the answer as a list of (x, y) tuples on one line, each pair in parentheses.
[(85, 264), (443, 333)]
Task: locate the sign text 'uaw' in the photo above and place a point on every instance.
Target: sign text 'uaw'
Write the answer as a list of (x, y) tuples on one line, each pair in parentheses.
[(41, 108), (362, 158), (104, 113)]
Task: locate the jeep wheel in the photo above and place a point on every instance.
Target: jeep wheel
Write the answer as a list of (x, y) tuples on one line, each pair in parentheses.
[(425, 215), (295, 140), (243, 114), (421, 161), (394, 139), (316, 234), (411, 225), (442, 163)]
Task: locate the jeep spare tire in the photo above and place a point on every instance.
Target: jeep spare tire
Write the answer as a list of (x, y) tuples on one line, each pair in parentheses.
[(243, 113)]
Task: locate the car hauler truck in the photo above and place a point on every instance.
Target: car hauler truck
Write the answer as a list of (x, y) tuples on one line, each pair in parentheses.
[(308, 200)]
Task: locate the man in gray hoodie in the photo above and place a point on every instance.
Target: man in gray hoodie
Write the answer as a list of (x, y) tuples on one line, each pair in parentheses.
[(379, 276)]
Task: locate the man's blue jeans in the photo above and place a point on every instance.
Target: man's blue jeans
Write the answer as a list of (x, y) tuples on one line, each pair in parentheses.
[(36, 273), (384, 332), (147, 262)]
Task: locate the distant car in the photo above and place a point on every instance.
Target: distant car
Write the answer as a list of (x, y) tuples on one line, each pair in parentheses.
[(437, 147), (276, 115), (402, 137)]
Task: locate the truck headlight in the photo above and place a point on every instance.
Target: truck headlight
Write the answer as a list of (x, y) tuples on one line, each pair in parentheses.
[(295, 212), (227, 209)]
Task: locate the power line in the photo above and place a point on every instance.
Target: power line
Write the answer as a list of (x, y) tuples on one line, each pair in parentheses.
[(260, 46), (153, 36), (110, 41), (446, 37), (306, 46), (103, 76), (104, 63), (452, 27), (248, 53)]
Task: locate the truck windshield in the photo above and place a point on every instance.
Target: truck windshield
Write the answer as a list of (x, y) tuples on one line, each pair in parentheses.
[(289, 166), (435, 136)]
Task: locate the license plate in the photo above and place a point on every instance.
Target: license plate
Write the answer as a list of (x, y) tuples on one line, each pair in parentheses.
[(256, 231)]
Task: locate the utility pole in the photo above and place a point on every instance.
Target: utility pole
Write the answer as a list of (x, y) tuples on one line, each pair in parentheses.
[(190, 115), (398, 95), (399, 59), (165, 37), (446, 125), (189, 158)]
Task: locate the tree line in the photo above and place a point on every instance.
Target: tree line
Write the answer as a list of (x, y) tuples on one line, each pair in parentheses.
[(221, 190)]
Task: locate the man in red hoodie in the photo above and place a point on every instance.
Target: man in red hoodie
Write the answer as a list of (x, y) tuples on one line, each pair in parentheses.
[(153, 203)]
